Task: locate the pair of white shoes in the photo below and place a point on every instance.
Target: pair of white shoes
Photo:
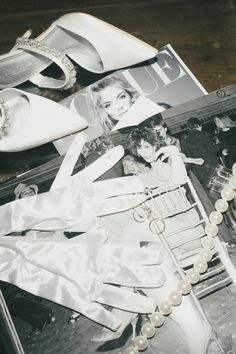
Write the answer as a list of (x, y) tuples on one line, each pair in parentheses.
[(27, 120)]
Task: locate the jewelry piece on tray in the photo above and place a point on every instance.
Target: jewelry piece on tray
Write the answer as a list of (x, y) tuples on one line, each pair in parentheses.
[(4, 119)]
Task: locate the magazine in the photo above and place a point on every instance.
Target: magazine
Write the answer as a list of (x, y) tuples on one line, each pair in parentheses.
[(205, 108), (162, 83), (138, 225), (129, 96)]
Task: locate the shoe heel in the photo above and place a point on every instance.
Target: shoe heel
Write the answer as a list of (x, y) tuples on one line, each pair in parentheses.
[(134, 324)]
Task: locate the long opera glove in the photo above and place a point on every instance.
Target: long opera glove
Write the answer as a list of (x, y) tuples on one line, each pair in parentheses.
[(79, 203), (73, 273), (66, 169)]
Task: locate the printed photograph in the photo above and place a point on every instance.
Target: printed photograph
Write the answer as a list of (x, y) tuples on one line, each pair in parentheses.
[(129, 96)]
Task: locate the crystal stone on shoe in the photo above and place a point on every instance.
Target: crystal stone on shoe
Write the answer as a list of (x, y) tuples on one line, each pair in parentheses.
[(4, 119), (68, 67)]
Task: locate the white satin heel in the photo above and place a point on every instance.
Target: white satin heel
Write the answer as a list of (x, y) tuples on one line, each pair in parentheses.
[(28, 120), (90, 42)]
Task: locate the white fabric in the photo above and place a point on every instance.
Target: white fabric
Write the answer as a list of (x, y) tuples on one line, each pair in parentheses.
[(78, 203), (78, 273)]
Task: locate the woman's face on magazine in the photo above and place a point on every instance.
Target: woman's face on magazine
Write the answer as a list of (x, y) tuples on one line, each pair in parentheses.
[(115, 102), (146, 151)]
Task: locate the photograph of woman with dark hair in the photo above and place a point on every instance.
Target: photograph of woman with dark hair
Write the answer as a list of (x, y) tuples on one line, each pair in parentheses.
[(158, 124)]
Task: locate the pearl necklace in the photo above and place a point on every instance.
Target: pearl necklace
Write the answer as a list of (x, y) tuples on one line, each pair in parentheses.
[(192, 276)]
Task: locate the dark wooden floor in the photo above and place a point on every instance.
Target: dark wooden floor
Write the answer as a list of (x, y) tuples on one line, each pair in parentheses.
[(202, 32)]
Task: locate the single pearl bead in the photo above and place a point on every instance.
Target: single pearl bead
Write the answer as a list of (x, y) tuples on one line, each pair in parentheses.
[(192, 276), (141, 342), (206, 254), (130, 350), (157, 319), (165, 308), (207, 242), (200, 265), (211, 230), (216, 217), (185, 287), (232, 182), (221, 205), (227, 193), (234, 169), (148, 330), (175, 298)]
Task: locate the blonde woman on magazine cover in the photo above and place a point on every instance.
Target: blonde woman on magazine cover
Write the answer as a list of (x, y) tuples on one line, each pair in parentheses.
[(111, 99)]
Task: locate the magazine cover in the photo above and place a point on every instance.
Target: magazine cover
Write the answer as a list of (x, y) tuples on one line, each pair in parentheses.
[(129, 96), (135, 198)]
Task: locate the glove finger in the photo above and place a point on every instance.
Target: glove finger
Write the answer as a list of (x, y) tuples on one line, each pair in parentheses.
[(124, 299), (66, 169), (133, 275), (115, 186), (116, 204)]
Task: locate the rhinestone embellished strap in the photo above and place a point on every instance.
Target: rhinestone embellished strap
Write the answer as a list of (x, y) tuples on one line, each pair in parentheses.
[(53, 54), (4, 119)]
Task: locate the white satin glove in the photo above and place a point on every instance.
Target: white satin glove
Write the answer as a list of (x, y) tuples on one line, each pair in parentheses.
[(78, 273), (78, 203)]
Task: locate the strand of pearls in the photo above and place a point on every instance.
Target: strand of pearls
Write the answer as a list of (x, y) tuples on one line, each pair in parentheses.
[(192, 276)]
